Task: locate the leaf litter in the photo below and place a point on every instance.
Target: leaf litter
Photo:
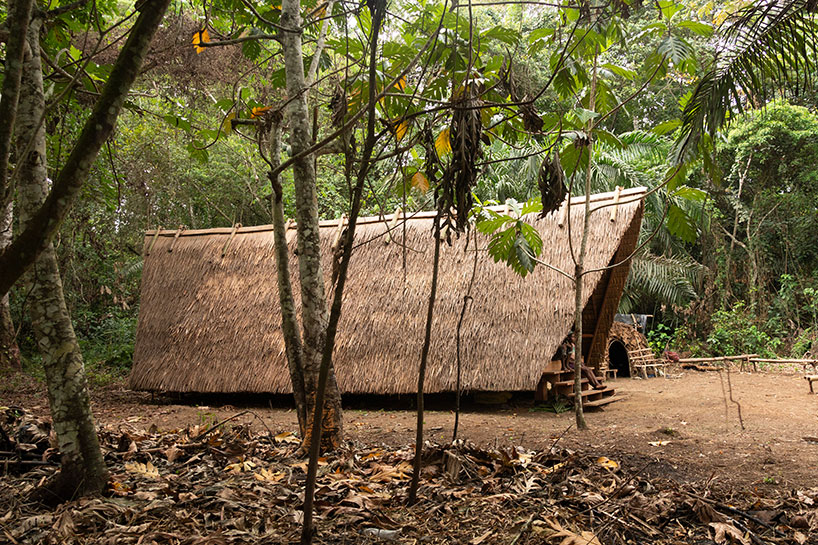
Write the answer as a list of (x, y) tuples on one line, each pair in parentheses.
[(228, 485)]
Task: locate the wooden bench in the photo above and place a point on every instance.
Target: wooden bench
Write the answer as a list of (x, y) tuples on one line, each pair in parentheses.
[(811, 379), (644, 359), (610, 373)]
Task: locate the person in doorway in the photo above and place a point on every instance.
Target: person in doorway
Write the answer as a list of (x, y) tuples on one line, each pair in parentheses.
[(567, 357)]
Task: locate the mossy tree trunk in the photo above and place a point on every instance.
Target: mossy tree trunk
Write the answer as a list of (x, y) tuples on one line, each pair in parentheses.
[(9, 352), (82, 468), (44, 223), (314, 317)]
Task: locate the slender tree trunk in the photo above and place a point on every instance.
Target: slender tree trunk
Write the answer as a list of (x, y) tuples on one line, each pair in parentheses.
[(289, 322), (580, 264), (313, 298), (46, 221), (19, 15), (424, 357), (82, 470), (9, 352), (377, 9)]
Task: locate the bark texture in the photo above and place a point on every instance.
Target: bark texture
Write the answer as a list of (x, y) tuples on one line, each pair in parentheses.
[(289, 321), (82, 468), (314, 317), (9, 352), (19, 14), (44, 223)]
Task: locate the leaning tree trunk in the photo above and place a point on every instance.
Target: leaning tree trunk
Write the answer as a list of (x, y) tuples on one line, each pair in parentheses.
[(45, 223), (313, 298), (83, 470), (9, 352)]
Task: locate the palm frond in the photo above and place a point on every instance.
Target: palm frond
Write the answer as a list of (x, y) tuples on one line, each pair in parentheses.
[(768, 45), (668, 280)]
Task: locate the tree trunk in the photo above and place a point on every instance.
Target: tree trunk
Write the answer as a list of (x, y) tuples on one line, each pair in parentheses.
[(83, 470), (9, 352), (424, 357), (18, 17), (45, 222), (289, 322), (313, 298)]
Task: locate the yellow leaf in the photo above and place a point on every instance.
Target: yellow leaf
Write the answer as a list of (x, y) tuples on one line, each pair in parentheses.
[(442, 143), (239, 467), (268, 475), (148, 470), (420, 181), (400, 130), (287, 437), (401, 83), (259, 111), (607, 463), (227, 125), (201, 37)]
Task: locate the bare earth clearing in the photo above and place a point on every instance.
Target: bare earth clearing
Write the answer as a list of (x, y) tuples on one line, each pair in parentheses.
[(770, 467), (687, 410)]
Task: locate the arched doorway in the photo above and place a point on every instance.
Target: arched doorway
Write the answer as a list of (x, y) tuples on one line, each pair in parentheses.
[(618, 356)]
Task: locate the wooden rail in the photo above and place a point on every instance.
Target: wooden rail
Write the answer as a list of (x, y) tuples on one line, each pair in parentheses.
[(718, 358)]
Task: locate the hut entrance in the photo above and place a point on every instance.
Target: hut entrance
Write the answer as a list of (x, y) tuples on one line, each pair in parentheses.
[(618, 356)]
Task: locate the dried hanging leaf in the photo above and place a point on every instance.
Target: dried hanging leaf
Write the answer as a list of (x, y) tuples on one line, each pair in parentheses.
[(442, 143), (420, 181), (201, 37), (725, 531), (148, 470), (607, 463)]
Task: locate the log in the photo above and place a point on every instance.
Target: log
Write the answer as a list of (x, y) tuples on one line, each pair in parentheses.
[(718, 358)]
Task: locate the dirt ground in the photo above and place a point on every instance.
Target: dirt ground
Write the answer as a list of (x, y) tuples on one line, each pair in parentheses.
[(680, 427)]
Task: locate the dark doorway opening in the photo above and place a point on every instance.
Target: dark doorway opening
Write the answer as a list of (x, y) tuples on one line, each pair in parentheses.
[(618, 356)]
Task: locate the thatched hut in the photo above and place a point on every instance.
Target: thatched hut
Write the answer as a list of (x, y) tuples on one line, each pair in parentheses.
[(209, 319), (624, 340)]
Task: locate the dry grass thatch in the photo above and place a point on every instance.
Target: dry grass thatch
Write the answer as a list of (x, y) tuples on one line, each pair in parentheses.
[(627, 337), (209, 318)]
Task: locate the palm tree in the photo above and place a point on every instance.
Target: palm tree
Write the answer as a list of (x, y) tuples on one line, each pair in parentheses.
[(766, 47)]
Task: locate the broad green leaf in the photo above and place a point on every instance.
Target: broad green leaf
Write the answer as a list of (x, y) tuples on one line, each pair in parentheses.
[(620, 71), (585, 115), (690, 193), (680, 224), (178, 122), (702, 29), (667, 127), (505, 35)]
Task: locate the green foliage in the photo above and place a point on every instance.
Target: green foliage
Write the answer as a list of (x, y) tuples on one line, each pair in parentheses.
[(513, 241), (660, 337), (735, 332)]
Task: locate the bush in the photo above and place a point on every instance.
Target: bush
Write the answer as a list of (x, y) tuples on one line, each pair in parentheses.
[(735, 332)]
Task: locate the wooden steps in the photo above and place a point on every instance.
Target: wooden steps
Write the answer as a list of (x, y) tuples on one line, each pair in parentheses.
[(560, 384)]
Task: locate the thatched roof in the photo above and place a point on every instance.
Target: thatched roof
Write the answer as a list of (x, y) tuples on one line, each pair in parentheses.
[(209, 319)]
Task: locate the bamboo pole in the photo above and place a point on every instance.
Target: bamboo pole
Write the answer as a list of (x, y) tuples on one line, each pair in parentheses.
[(718, 358)]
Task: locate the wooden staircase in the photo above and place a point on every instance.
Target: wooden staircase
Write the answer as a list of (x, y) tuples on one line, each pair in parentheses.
[(560, 384)]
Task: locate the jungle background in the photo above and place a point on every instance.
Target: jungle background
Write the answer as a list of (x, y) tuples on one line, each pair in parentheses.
[(736, 272)]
